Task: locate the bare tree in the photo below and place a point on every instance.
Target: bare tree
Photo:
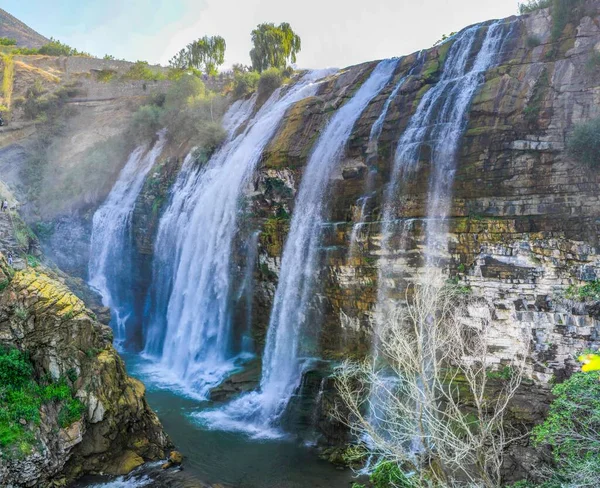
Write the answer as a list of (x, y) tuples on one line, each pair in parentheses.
[(428, 402)]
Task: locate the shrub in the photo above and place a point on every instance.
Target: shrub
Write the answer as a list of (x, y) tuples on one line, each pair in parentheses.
[(584, 143), (533, 41), (184, 92), (141, 70), (21, 398), (572, 430), (269, 81), (22, 313), (533, 5), (245, 83), (146, 122), (6, 41), (105, 75), (57, 48), (589, 291), (70, 412), (593, 62)]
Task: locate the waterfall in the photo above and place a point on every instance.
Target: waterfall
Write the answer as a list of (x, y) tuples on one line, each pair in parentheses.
[(195, 243), (110, 264), (372, 150), (259, 412), (438, 122), (172, 228)]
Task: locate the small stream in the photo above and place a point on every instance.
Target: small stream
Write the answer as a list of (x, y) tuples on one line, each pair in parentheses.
[(231, 459)]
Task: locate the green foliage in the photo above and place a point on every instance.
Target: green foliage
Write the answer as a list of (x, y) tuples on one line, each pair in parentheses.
[(21, 313), (4, 284), (589, 291), (389, 475), (563, 11), (205, 54), (184, 92), (21, 398), (15, 368), (534, 105), (533, 41), (6, 41), (274, 46), (584, 143), (533, 5), (146, 122), (141, 70), (572, 429), (70, 412), (57, 48), (504, 374), (269, 81), (443, 39), (32, 261), (244, 83), (105, 75)]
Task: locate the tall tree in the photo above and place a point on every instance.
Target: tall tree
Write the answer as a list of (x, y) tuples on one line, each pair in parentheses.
[(205, 54), (274, 46)]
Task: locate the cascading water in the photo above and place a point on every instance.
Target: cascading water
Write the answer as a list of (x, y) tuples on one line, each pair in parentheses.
[(195, 243), (372, 150), (259, 412), (439, 122), (111, 250), (175, 220)]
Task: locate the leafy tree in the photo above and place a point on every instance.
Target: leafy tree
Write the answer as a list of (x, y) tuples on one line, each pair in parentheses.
[(57, 48), (274, 46), (205, 54), (6, 41), (572, 429)]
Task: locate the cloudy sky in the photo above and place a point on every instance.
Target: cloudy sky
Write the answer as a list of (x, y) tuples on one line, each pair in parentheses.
[(335, 33)]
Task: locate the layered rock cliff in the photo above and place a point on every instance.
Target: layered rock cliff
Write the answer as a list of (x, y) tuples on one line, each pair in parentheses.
[(110, 427)]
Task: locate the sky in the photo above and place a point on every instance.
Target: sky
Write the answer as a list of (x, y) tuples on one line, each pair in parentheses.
[(335, 33)]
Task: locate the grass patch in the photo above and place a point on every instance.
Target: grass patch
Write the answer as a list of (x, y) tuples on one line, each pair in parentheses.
[(21, 398), (8, 77), (589, 291)]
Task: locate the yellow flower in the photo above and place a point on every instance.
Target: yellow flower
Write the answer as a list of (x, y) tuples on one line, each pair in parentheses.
[(591, 362)]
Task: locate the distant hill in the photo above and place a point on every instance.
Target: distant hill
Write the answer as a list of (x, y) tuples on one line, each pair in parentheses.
[(15, 29)]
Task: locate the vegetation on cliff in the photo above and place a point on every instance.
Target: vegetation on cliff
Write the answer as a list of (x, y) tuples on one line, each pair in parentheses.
[(584, 143), (425, 408), (572, 430), (22, 398)]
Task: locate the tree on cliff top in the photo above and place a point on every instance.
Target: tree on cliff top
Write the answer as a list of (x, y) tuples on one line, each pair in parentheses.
[(274, 46), (205, 54)]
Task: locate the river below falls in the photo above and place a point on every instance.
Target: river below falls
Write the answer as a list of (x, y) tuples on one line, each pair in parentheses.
[(228, 458)]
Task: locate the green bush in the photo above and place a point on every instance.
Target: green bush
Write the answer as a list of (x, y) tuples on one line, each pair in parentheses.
[(70, 412), (572, 430), (533, 5), (584, 143), (6, 41), (21, 398), (589, 291), (389, 475), (141, 70), (184, 92), (269, 81), (245, 83), (57, 48), (146, 122)]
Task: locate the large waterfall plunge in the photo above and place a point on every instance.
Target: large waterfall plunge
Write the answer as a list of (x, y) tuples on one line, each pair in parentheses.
[(259, 412), (194, 248), (111, 250)]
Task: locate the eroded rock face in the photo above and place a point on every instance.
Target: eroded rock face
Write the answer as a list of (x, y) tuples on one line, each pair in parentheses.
[(117, 431)]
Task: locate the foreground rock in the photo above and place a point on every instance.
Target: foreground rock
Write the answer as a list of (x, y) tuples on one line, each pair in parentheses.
[(117, 431)]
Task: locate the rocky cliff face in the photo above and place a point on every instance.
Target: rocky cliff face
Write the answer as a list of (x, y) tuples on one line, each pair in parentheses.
[(523, 219), (115, 431)]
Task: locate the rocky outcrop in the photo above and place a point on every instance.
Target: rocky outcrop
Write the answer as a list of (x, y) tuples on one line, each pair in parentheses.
[(117, 431)]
